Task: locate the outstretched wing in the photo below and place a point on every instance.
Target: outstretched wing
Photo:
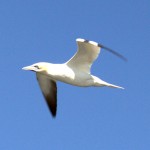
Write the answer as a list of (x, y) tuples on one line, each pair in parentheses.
[(49, 90), (87, 52)]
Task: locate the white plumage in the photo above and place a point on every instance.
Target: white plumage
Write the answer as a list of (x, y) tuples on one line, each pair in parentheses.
[(76, 71)]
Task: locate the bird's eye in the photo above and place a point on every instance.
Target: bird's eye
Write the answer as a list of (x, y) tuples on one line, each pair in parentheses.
[(37, 67)]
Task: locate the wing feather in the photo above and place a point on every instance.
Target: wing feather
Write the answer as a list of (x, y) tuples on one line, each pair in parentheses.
[(88, 51), (49, 90)]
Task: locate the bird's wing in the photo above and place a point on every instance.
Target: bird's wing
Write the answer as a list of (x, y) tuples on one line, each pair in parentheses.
[(87, 52), (49, 90)]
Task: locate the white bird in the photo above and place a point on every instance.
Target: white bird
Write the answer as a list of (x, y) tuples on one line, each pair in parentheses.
[(76, 72)]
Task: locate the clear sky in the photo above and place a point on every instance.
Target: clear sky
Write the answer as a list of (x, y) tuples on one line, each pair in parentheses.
[(87, 118)]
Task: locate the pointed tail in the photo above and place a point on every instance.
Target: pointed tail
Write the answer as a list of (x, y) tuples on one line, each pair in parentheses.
[(100, 82), (115, 86)]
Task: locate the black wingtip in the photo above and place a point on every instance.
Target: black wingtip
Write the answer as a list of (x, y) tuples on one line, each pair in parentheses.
[(113, 52), (53, 112), (52, 105), (102, 46)]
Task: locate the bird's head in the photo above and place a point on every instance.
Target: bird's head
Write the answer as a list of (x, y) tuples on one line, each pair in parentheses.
[(38, 67)]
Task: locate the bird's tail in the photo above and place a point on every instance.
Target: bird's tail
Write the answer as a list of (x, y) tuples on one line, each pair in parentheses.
[(114, 86), (99, 82)]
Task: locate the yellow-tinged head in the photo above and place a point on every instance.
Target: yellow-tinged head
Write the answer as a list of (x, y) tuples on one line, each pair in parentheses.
[(37, 67)]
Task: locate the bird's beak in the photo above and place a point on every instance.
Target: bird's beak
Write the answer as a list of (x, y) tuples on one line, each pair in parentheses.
[(29, 68)]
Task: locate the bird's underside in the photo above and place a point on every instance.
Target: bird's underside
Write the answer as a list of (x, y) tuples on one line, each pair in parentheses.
[(76, 72)]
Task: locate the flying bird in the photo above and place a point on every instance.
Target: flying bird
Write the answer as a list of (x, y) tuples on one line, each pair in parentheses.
[(75, 71)]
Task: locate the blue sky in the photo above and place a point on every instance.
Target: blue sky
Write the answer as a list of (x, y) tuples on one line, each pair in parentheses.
[(87, 118)]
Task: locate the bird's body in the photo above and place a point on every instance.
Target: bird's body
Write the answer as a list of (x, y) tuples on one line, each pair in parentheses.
[(76, 72), (63, 73)]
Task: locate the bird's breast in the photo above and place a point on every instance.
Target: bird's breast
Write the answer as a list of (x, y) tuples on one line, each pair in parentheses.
[(68, 75), (61, 73)]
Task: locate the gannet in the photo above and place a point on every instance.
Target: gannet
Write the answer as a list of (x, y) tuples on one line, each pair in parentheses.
[(75, 71)]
